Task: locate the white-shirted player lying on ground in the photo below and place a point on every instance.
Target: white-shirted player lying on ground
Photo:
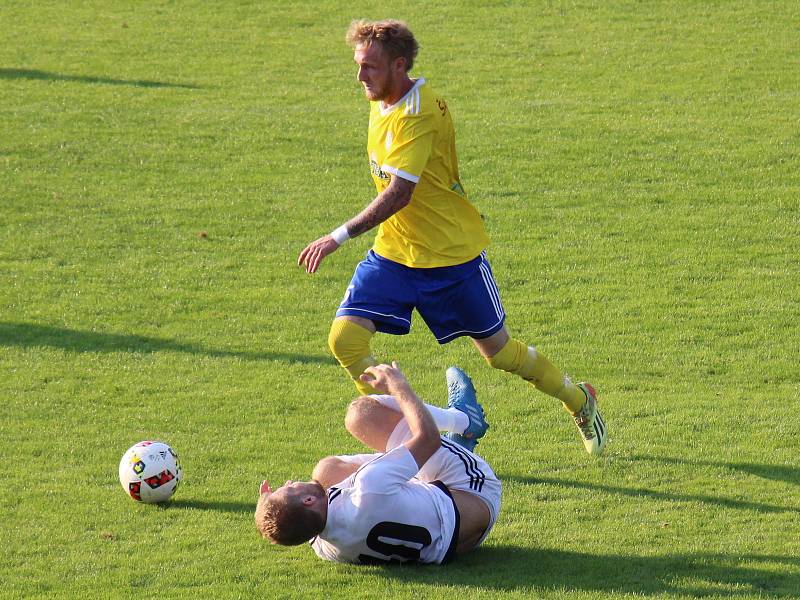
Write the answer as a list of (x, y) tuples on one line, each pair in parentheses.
[(422, 498)]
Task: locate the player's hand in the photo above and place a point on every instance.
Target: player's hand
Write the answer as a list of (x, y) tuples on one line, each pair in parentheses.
[(312, 255), (385, 378), (265, 489)]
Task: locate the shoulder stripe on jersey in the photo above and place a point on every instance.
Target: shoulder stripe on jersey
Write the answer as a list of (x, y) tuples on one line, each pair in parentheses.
[(385, 110), (334, 494), (412, 102), (476, 475)]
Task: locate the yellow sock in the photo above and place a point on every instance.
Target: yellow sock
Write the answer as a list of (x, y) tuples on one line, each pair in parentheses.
[(515, 357), (349, 343)]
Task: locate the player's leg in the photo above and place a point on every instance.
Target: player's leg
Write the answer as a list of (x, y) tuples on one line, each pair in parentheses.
[(348, 340), (475, 520), (503, 352), (371, 422), (474, 487), (464, 300), (447, 419), (377, 299), (378, 422)]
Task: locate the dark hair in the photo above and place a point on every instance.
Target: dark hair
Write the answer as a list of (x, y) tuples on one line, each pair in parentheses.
[(394, 36)]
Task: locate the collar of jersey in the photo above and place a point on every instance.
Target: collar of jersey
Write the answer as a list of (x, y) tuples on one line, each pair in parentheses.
[(385, 111)]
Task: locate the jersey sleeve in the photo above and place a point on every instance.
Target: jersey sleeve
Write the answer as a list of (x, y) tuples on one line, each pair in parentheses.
[(384, 474), (411, 147)]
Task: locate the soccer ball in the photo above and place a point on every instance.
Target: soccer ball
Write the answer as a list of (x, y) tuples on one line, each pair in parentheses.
[(150, 472)]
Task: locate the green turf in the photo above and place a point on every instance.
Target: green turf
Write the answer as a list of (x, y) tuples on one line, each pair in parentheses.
[(637, 166)]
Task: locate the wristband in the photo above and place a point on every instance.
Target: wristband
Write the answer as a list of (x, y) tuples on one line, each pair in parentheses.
[(340, 235)]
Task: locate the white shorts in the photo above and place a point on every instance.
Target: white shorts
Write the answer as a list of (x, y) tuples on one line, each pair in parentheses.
[(458, 469)]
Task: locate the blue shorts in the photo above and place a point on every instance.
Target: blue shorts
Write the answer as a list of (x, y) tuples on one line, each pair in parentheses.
[(453, 301)]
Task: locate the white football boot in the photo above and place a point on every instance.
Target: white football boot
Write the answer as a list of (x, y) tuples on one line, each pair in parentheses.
[(590, 423)]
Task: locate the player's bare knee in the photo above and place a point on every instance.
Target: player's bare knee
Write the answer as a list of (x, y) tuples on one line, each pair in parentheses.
[(359, 411)]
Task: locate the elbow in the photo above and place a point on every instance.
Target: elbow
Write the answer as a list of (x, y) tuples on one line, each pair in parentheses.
[(402, 190)]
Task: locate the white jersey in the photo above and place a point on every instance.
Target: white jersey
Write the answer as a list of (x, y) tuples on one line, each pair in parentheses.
[(383, 513)]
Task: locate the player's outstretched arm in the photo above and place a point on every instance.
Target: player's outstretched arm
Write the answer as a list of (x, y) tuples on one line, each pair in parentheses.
[(312, 255), (395, 197), (391, 200), (425, 438)]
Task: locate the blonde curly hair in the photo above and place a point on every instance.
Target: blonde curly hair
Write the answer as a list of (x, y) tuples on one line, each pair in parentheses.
[(394, 36)]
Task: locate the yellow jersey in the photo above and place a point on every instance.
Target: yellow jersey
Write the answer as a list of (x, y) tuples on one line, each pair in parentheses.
[(414, 139)]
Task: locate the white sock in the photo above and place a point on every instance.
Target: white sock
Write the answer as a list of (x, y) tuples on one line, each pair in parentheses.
[(446, 419)]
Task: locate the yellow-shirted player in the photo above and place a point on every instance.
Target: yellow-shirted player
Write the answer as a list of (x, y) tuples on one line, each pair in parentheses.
[(429, 253), (414, 139)]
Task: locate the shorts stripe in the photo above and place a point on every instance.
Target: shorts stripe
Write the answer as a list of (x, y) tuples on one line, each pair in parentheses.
[(476, 476), (479, 475), (345, 311), (467, 332), (467, 466), (491, 284), (491, 288)]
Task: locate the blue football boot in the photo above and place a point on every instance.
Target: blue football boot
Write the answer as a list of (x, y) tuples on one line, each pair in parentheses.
[(461, 395)]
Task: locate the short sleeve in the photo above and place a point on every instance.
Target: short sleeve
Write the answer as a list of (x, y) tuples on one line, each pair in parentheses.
[(411, 148), (387, 472)]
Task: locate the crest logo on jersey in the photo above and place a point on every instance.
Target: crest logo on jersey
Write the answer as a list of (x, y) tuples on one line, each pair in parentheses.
[(376, 170)]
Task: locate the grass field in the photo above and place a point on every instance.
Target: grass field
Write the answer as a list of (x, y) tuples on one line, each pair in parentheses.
[(637, 165)]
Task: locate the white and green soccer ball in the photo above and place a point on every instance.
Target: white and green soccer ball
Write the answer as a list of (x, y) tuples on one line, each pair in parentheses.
[(150, 472)]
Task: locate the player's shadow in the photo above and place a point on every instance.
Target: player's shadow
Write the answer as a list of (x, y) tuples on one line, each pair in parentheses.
[(231, 507), (36, 74), (783, 473), (510, 568), (32, 335), (636, 492)]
